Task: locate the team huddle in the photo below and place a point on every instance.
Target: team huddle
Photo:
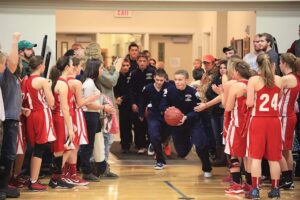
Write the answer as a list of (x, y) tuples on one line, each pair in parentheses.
[(259, 118)]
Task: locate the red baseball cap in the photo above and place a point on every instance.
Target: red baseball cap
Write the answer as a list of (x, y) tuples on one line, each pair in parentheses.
[(209, 58)]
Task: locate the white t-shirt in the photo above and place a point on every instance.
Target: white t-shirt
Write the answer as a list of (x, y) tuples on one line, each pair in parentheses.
[(89, 88), (250, 58), (2, 113)]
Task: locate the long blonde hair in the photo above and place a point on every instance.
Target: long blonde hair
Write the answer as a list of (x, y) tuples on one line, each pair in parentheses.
[(265, 66), (292, 61)]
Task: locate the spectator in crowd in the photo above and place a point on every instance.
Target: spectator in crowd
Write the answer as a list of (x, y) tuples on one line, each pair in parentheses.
[(250, 58), (295, 48)]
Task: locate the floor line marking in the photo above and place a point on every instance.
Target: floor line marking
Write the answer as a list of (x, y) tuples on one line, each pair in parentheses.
[(183, 196)]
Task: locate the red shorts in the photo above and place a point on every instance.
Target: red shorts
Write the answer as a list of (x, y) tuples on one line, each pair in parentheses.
[(39, 126), (21, 138), (61, 134), (288, 131), (265, 138), (236, 142), (79, 121)]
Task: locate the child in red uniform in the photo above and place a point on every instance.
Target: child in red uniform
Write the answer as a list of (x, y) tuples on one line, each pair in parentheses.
[(236, 140), (39, 125), (263, 94), (79, 121), (62, 121), (289, 66)]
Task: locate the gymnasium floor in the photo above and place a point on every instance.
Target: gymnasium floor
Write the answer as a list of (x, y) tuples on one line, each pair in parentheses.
[(139, 181)]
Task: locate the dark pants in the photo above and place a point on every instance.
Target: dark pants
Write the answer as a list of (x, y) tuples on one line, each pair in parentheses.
[(140, 132), (209, 132), (187, 135), (125, 121), (86, 151), (217, 127), (158, 133), (8, 150)]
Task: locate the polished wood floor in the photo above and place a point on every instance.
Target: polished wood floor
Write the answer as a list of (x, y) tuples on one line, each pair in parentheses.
[(139, 181)]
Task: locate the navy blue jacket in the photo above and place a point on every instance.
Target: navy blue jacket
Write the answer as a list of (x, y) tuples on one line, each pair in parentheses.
[(151, 98), (122, 89), (138, 80), (185, 100)]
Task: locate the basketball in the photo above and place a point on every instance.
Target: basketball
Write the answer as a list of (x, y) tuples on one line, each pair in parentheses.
[(173, 116)]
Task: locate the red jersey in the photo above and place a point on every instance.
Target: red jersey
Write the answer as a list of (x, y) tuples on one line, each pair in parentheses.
[(36, 99), (57, 108), (289, 99), (239, 111), (266, 102)]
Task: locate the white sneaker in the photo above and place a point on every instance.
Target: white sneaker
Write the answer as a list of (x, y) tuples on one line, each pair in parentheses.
[(141, 151), (150, 150), (207, 174)]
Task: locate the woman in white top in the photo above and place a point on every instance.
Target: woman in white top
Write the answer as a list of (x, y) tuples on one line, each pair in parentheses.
[(92, 116)]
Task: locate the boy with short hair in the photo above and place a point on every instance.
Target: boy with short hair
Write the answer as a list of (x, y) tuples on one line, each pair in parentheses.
[(138, 79), (150, 103), (190, 130)]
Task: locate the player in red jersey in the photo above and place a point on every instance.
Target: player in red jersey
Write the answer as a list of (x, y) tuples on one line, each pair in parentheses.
[(79, 121), (62, 120), (39, 125), (263, 95), (290, 67), (235, 142)]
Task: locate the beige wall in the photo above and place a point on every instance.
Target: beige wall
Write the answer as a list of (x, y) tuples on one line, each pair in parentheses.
[(173, 52), (237, 23), (210, 30)]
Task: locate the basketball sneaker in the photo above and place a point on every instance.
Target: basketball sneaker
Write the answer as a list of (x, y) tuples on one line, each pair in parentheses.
[(36, 187), (168, 150), (253, 194), (20, 181), (246, 187), (159, 166), (235, 188), (76, 180), (286, 185), (274, 193), (60, 184)]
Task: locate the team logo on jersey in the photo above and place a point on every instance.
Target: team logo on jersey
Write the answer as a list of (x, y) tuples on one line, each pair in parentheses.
[(188, 97), (149, 76), (128, 79), (143, 89), (197, 95), (165, 93)]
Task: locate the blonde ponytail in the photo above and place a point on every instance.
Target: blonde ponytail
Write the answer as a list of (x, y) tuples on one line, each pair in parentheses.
[(265, 65)]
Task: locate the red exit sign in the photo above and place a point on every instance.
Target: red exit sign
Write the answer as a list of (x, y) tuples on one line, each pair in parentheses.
[(123, 13)]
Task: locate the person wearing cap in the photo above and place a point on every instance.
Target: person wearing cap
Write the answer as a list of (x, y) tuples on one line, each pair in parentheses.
[(25, 53), (206, 93), (295, 48), (229, 51)]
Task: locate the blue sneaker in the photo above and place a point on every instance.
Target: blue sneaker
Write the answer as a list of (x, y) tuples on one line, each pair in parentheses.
[(253, 194), (274, 193), (159, 166)]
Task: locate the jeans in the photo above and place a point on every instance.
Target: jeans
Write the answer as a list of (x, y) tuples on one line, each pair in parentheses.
[(8, 150), (108, 140)]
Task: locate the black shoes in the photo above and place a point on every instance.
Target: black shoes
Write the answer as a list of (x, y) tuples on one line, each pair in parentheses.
[(60, 184), (10, 192)]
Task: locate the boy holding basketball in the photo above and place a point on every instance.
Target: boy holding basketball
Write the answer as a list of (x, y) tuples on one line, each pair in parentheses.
[(150, 102), (190, 130)]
